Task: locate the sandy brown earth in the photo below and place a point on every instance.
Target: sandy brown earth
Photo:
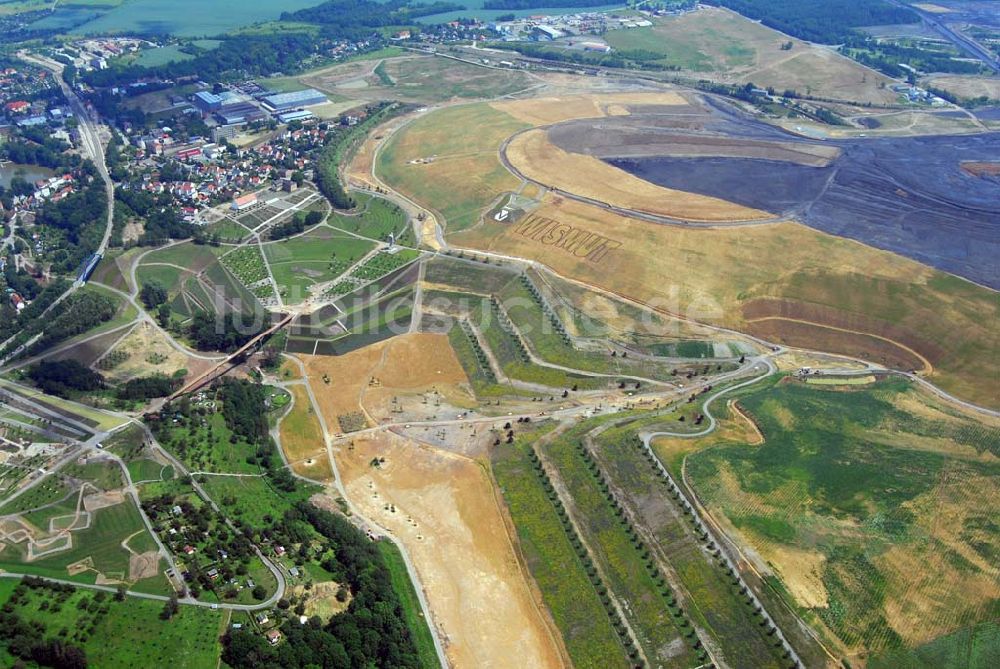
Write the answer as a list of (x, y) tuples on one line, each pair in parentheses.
[(366, 380), (537, 158), (149, 352), (444, 510)]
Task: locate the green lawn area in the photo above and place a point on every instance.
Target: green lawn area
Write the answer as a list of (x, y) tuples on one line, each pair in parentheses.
[(105, 475), (52, 489), (412, 611), (316, 257), (251, 498), (575, 605), (145, 469), (376, 220), (123, 635), (101, 542)]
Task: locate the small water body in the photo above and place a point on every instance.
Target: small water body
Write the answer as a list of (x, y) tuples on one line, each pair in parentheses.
[(29, 173)]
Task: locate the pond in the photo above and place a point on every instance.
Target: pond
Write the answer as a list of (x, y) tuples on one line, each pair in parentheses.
[(30, 173)]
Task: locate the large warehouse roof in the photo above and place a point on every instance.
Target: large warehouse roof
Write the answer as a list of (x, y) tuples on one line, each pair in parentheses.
[(280, 101)]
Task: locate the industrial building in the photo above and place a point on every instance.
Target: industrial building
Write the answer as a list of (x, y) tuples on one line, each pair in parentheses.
[(207, 102), (300, 115), (281, 102), (242, 112)]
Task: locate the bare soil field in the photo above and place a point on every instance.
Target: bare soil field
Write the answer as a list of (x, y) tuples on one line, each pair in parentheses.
[(537, 158), (368, 379), (722, 45), (443, 508), (147, 351)]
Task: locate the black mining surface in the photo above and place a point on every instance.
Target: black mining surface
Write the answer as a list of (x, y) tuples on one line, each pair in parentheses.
[(908, 195)]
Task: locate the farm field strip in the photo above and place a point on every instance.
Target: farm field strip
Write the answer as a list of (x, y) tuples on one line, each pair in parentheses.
[(632, 574), (550, 551)]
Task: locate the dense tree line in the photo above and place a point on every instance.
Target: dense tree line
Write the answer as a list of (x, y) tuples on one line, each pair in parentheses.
[(81, 216), (35, 147), (242, 56), (825, 21), (212, 333), (358, 17), (243, 407), (370, 633), (298, 223), (147, 387), (64, 377), (338, 142), (82, 311)]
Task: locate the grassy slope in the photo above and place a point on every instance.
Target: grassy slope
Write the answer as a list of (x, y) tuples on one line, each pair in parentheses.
[(566, 589), (412, 611), (619, 557), (465, 175), (858, 477)]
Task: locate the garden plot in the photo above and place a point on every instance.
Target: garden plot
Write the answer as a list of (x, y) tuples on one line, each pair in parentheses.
[(247, 264)]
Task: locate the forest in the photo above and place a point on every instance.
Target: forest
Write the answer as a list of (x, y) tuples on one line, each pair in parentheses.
[(532, 4), (370, 633), (824, 21), (353, 17)]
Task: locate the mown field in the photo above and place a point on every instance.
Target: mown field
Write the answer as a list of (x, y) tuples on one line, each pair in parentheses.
[(723, 45), (302, 438), (876, 507), (314, 258), (463, 174)]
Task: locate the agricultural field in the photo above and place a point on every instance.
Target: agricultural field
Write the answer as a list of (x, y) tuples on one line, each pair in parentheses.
[(187, 18), (247, 264), (722, 45), (383, 263), (418, 79), (845, 499)]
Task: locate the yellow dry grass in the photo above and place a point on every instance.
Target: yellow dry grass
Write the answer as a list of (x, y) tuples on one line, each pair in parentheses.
[(735, 49), (708, 274), (302, 438), (442, 507), (929, 592), (932, 8), (149, 352), (540, 160), (548, 110), (966, 86)]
